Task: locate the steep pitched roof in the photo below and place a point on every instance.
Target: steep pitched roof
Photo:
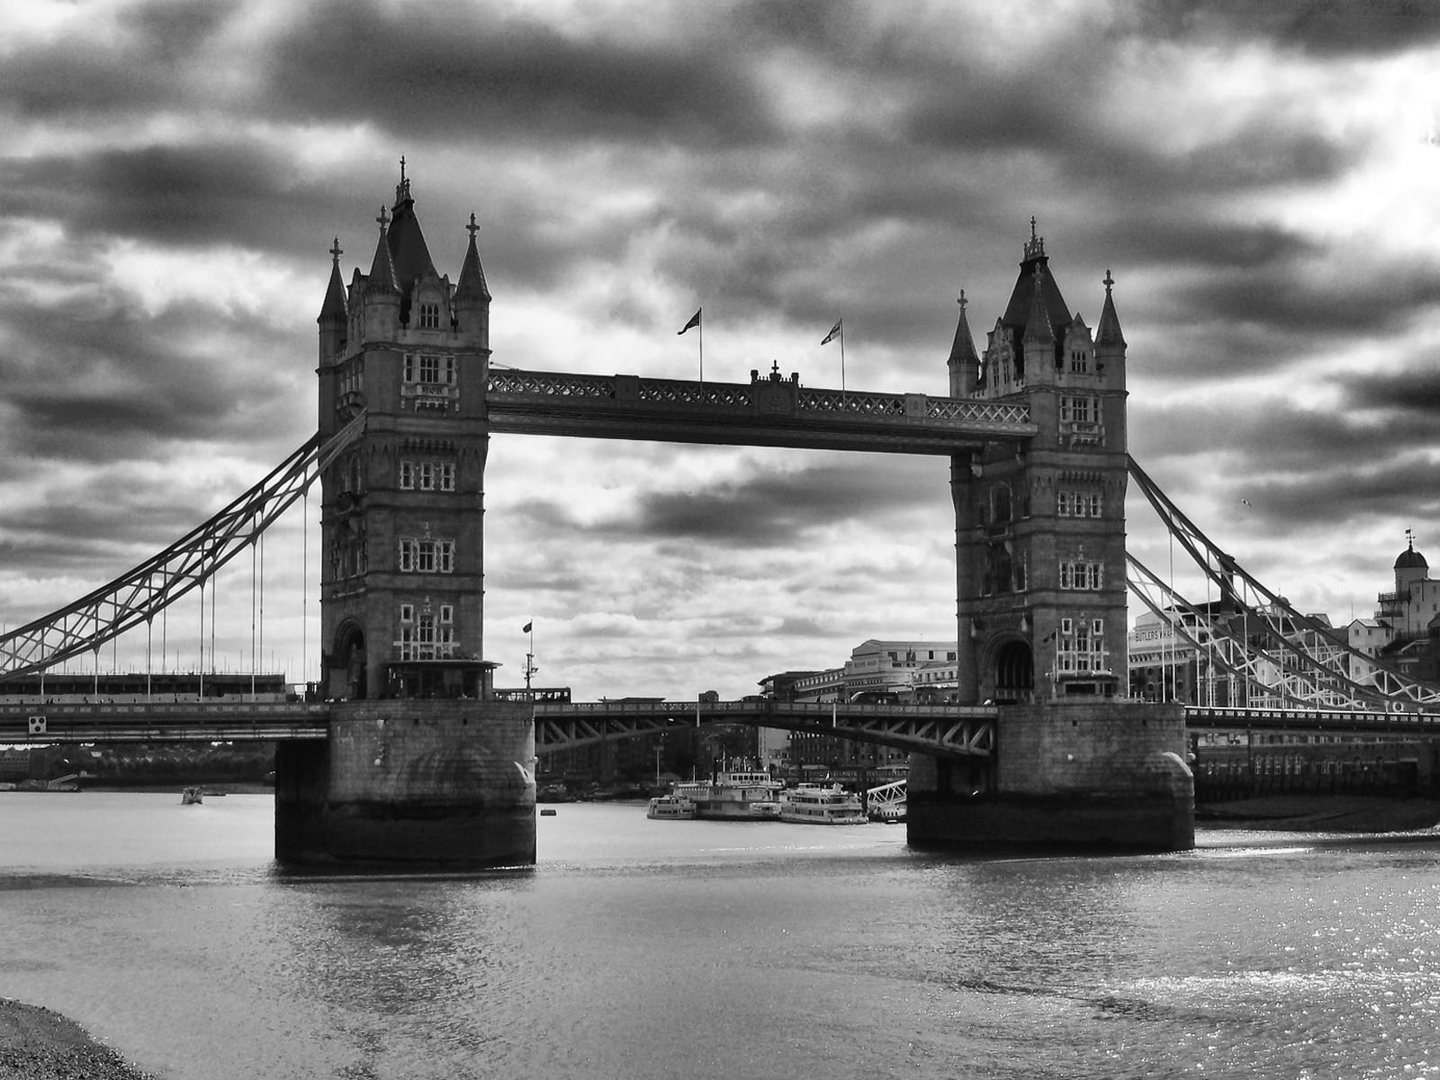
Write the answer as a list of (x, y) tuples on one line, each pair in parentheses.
[(382, 267), (1108, 332), (962, 351), (472, 275), (408, 250), (334, 305)]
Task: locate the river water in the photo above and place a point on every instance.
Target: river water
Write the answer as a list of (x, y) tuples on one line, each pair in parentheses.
[(642, 949)]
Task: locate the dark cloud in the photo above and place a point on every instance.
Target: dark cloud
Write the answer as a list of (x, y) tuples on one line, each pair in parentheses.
[(1321, 27), (435, 72)]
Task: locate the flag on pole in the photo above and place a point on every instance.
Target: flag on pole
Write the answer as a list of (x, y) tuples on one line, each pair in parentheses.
[(526, 628), (834, 330), (694, 321)]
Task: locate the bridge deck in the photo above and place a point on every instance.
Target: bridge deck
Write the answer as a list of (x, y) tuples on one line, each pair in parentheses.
[(764, 412)]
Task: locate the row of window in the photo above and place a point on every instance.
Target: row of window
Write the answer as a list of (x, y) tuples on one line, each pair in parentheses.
[(429, 368), (1079, 504), (427, 475), (1089, 504), (1079, 409), (426, 556), (1080, 645), (1082, 575)]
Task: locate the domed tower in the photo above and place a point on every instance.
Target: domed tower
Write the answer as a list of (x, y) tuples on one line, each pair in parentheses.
[(1410, 567), (402, 574), (1040, 530)]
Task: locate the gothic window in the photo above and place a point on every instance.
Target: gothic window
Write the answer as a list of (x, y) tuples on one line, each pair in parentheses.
[(407, 474), (1078, 504), (447, 475), (1079, 360), (429, 316), (1081, 575), (1079, 409), (429, 369), (1000, 504), (427, 476), (426, 556)]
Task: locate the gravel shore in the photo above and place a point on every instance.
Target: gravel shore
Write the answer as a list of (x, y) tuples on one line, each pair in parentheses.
[(37, 1044)]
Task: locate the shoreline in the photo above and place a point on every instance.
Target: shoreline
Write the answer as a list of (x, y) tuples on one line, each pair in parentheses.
[(39, 1044), (1371, 814)]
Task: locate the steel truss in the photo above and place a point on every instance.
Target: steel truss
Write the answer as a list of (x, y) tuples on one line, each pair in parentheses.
[(940, 730), (1319, 679), (140, 594)]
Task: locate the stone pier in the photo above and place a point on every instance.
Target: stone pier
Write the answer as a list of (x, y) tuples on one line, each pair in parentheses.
[(418, 783), (1068, 774)]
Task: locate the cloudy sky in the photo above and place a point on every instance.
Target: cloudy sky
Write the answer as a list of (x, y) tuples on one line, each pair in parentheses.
[(1263, 180)]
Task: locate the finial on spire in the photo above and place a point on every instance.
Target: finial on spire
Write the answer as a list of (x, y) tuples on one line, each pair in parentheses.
[(962, 301), (402, 168), (383, 219), (336, 251), (1108, 282), (1410, 538), (472, 228), (1035, 246)]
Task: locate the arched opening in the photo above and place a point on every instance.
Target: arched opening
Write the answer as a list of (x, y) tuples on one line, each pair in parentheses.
[(1014, 672), (347, 668)]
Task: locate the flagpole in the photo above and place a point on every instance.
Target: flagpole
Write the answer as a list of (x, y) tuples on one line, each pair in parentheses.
[(700, 327), (842, 356)]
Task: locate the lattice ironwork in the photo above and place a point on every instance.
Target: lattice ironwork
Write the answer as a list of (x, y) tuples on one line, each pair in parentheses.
[(137, 596), (940, 730), (1329, 674)]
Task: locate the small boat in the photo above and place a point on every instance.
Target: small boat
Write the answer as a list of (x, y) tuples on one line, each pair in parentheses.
[(821, 804), (191, 795), (547, 812), (671, 808)]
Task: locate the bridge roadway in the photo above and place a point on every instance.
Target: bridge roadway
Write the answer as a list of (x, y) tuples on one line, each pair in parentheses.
[(939, 729), (769, 411), (945, 730)]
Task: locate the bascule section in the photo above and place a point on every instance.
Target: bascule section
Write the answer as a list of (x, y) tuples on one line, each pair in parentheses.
[(1041, 596), (421, 765)]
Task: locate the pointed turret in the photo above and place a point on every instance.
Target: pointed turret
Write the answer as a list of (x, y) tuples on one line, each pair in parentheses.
[(1034, 290), (1108, 332), (408, 250), (1109, 341), (471, 301), (382, 292), (964, 362), (382, 268), (333, 314)]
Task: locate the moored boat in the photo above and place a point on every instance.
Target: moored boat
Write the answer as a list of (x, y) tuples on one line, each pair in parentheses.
[(733, 793), (671, 808), (191, 795), (821, 804)]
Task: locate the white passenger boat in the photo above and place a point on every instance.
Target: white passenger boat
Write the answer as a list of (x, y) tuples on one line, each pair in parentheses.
[(821, 804), (670, 808), (732, 793)]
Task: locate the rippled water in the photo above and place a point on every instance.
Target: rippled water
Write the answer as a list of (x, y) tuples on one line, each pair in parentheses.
[(711, 950)]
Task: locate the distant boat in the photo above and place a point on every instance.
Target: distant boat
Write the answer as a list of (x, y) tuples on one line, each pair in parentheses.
[(671, 808), (752, 795), (547, 812), (191, 795), (821, 804)]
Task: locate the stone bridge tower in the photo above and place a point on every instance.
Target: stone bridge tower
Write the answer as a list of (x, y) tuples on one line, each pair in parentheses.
[(1041, 589), (1040, 531), (402, 576), (421, 767)]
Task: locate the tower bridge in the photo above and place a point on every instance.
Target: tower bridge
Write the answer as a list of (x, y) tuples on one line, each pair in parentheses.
[(412, 756)]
